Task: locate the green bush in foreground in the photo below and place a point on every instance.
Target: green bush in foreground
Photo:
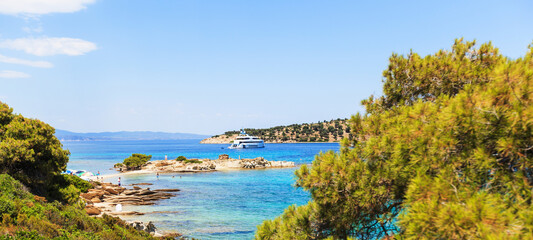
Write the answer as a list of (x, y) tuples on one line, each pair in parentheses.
[(22, 216), (30, 152), (181, 158), (446, 153)]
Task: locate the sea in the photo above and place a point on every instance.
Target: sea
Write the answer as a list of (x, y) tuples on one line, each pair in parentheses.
[(210, 205)]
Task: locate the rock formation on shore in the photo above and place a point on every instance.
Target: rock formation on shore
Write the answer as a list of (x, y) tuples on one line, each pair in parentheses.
[(103, 198), (206, 165)]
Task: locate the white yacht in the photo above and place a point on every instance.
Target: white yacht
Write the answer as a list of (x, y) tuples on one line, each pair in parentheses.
[(246, 141)]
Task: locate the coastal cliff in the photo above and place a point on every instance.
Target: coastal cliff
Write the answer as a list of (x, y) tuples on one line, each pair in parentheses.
[(326, 131)]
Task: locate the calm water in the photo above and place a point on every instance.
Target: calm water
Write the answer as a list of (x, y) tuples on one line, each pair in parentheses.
[(216, 205)]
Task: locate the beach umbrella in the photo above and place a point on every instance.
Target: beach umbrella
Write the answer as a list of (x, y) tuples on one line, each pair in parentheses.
[(87, 174)]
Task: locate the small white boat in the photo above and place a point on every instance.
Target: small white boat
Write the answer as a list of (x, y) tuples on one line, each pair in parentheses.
[(246, 141)]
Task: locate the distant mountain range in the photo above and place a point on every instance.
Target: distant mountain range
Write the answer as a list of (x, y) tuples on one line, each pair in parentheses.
[(64, 135)]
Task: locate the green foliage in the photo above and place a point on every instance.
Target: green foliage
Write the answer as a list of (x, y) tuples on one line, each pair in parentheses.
[(22, 217), (294, 223), (446, 153), (409, 78), (119, 165), (29, 151), (77, 182), (307, 132), (66, 188), (181, 158), (192, 161), (136, 160)]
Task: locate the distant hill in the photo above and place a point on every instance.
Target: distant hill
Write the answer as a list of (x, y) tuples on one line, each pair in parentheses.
[(327, 131), (64, 135)]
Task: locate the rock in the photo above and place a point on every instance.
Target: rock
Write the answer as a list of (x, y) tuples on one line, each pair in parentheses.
[(130, 192), (96, 193), (223, 157), (147, 227), (141, 184), (92, 210), (167, 190), (136, 188), (96, 200), (145, 192), (150, 227), (89, 195), (111, 191), (171, 235), (127, 213)]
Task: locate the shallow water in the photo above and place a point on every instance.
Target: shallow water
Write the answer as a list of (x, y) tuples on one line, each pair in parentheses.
[(214, 205)]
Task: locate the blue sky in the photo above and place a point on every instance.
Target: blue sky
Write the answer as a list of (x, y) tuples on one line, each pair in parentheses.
[(211, 66)]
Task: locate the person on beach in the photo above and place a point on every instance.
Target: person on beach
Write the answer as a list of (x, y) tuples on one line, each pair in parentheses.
[(98, 175), (157, 175), (119, 181)]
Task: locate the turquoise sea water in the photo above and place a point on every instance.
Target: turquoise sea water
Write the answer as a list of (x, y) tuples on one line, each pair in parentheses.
[(214, 205)]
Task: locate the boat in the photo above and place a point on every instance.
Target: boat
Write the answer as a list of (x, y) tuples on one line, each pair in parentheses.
[(246, 141)]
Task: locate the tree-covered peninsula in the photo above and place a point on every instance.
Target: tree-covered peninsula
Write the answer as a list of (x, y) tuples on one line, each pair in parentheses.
[(36, 200), (326, 131), (445, 153)]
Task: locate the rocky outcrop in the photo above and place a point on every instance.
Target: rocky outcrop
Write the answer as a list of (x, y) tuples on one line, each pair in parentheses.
[(262, 163), (91, 210), (104, 197), (223, 162), (220, 139), (141, 226)]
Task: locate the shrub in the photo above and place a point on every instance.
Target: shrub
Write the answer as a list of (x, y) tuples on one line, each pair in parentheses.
[(79, 183), (70, 194), (29, 151), (181, 158), (136, 161), (193, 161), (6, 206)]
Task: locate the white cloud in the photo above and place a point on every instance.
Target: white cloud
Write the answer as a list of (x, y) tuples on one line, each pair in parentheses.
[(50, 46), (39, 7), (40, 64), (38, 29), (13, 74)]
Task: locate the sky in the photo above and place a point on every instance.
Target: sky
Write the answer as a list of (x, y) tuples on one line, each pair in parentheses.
[(207, 67)]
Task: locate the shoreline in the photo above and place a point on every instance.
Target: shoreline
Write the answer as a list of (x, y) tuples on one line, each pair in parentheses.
[(169, 166), (107, 197)]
